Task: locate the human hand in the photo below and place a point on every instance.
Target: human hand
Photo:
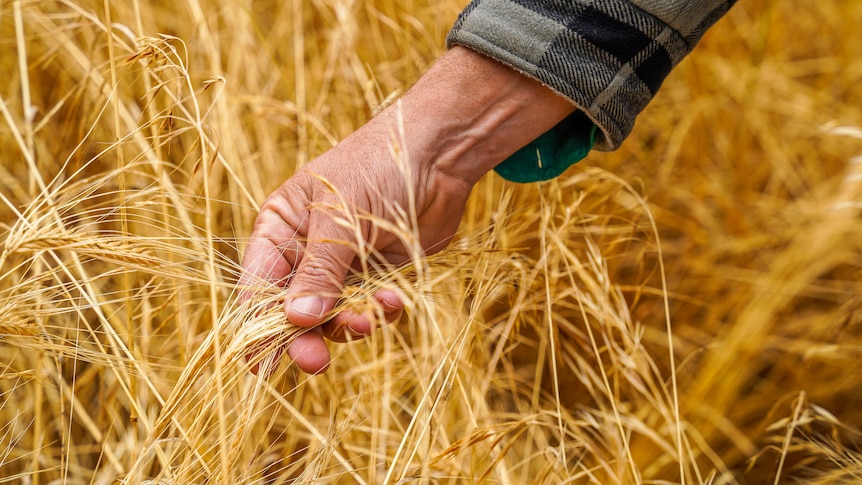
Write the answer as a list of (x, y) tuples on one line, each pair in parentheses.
[(299, 244), (464, 116)]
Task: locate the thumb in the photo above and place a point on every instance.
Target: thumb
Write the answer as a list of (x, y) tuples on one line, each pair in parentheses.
[(319, 278)]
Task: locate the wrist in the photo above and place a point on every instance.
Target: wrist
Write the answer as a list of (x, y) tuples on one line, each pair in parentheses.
[(470, 112)]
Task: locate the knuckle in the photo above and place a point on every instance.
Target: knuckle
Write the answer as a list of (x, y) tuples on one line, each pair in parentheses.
[(285, 206), (322, 269)]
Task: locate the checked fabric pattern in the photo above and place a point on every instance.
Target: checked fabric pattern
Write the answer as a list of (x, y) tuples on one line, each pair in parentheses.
[(608, 56)]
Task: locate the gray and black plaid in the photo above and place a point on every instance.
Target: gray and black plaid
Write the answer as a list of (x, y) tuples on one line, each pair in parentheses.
[(608, 56)]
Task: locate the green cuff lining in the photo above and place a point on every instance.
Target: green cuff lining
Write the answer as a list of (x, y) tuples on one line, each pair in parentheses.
[(552, 153)]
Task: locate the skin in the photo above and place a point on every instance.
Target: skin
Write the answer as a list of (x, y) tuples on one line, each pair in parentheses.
[(467, 114)]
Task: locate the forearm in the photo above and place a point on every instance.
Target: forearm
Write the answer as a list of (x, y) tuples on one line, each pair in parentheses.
[(609, 58)]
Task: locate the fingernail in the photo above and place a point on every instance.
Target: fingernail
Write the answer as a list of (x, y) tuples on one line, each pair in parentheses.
[(389, 301), (311, 306), (388, 307), (364, 332)]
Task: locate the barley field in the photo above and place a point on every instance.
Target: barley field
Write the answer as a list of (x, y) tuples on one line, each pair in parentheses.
[(687, 309)]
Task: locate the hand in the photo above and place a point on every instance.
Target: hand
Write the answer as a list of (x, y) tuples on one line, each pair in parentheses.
[(296, 229), (462, 118)]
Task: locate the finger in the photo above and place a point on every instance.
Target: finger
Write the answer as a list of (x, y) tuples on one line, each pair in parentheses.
[(339, 328), (352, 324), (319, 278), (309, 352), (266, 264), (270, 256), (390, 302)]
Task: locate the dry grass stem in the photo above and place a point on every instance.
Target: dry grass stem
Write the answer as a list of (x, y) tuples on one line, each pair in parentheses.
[(684, 310)]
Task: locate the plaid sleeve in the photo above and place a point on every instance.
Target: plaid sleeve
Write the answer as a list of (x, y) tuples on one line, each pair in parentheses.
[(609, 57)]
